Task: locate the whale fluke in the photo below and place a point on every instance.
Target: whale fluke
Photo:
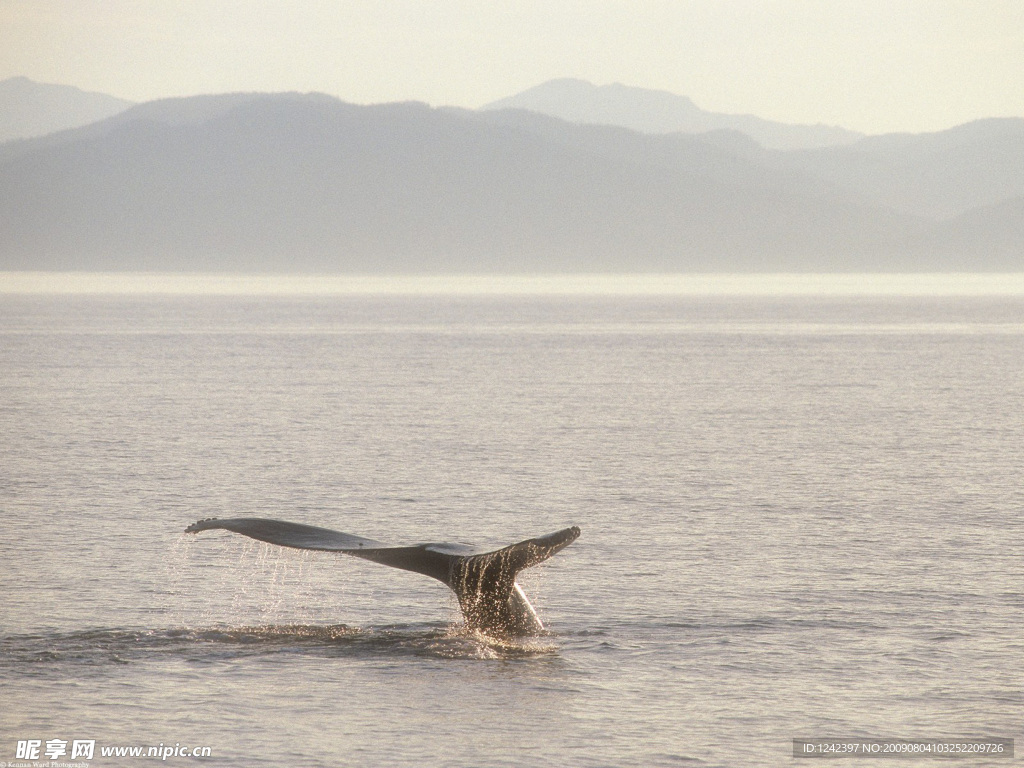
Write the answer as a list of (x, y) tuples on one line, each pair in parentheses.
[(484, 582)]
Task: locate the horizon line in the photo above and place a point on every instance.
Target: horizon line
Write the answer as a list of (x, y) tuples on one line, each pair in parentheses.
[(526, 284)]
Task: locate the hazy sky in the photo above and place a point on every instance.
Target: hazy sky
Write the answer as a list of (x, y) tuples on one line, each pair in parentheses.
[(869, 65)]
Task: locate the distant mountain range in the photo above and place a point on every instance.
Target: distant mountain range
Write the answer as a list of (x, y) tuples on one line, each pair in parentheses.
[(307, 183), (30, 109), (649, 111)]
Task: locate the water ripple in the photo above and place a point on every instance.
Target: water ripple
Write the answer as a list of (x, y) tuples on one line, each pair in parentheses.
[(99, 647)]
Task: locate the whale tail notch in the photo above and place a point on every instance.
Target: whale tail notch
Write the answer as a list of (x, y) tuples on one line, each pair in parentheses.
[(484, 582)]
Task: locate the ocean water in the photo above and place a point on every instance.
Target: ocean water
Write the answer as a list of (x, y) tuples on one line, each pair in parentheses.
[(802, 517)]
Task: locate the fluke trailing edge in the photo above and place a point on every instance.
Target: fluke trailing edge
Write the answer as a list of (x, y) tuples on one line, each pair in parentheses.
[(484, 582)]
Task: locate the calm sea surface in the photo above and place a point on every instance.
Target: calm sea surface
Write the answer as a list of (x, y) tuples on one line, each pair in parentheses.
[(801, 518)]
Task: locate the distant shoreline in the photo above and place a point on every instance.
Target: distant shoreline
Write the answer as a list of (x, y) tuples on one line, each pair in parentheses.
[(719, 284)]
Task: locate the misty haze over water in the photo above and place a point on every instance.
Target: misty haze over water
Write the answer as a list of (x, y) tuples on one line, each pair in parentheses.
[(772, 371)]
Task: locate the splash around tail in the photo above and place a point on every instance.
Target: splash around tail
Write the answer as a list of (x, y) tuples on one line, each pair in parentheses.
[(484, 582)]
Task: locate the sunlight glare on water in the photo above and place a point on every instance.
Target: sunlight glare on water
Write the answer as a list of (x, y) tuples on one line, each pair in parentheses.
[(800, 515)]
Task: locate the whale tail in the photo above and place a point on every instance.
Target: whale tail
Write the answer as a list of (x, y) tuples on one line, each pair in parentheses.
[(484, 582)]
